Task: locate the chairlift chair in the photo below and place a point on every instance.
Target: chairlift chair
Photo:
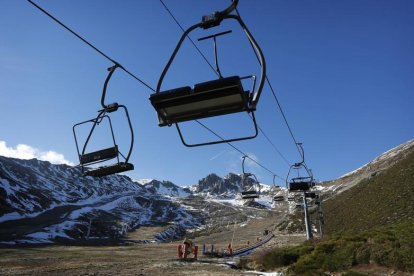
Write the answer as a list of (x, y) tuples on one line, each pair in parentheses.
[(106, 154), (300, 184), (217, 97), (251, 193), (278, 198)]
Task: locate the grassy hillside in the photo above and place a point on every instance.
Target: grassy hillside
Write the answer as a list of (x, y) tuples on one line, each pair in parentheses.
[(371, 223), (384, 199), (386, 246)]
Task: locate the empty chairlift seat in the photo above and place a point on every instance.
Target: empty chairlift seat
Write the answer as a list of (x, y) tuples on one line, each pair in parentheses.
[(207, 99), (250, 194), (99, 155), (278, 198), (106, 154), (102, 156), (299, 186)]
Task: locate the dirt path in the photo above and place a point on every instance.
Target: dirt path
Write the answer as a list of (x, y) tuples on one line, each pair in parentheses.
[(140, 259)]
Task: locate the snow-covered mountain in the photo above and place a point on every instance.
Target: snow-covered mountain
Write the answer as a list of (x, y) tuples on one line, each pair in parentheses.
[(166, 188), (42, 202), (230, 186)]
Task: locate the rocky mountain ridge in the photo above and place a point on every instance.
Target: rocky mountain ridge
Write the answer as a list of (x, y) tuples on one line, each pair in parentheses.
[(41, 202), (373, 168)]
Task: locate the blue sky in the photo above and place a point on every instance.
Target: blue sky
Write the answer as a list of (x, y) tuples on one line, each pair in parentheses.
[(342, 70)]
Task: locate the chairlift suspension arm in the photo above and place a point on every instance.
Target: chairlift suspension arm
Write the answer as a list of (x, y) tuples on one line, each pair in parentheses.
[(167, 66), (231, 8), (111, 71), (244, 158), (259, 52), (302, 154), (102, 112), (132, 134), (114, 106)]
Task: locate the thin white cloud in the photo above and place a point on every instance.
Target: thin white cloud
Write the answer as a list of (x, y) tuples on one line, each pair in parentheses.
[(217, 155), (22, 151)]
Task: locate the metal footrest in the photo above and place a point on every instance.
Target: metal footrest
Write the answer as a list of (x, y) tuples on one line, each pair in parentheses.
[(112, 169)]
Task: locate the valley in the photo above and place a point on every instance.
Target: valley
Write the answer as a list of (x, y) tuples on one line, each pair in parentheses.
[(76, 225), (140, 257)]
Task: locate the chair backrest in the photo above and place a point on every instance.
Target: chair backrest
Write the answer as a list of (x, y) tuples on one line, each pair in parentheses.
[(207, 99), (299, 186), (278, 198), (100, 155), (250, 194)]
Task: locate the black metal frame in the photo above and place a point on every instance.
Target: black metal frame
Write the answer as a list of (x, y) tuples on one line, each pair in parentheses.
[(108, 153), (250, 100)]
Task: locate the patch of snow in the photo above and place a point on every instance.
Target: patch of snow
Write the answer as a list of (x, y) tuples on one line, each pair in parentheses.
[(143, 181), (11, 216), (40, 237)]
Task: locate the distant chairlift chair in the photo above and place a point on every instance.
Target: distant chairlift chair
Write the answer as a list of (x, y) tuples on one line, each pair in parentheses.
[(103, 155), (300, 184), (276, 198), (221, 96), (253, 192)]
